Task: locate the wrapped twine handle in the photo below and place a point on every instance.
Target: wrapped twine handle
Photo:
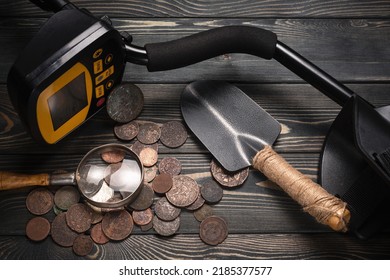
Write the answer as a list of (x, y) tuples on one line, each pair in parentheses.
[(326, 208)]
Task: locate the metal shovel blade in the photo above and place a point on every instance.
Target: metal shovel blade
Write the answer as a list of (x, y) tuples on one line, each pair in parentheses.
[(229, 123)]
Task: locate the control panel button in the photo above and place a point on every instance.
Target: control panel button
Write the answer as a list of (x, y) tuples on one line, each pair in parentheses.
[(104, 75), (98, 66), (99, 91)]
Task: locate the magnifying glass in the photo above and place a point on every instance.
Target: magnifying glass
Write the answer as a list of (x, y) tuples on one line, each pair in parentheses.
[(108, 176)]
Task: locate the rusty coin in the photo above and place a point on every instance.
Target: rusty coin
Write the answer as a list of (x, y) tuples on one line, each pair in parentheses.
[(37, 228), (184, 191), (113, 156), (165, 228), (147, 227), (79, 217), (82, 245), (203, 212), (98, 235), (142, 217), (213, 230), (148, 157), (211, 191), (66, 196), (170, 165), (150, 173), (144, 200), (138, 146), (165, 210), (162, 183), (39, 201), (60, 231), (173, 134), (197, 204), (125, 103), (127, 131), (149, 133), (227, 178), (117, 225)]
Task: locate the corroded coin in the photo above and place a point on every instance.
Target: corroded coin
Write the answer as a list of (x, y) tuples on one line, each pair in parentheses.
[(184, 191), (197, 204), (60, 231), (79, 217), (39, 201), (125, 103), (127, 131), (148, 157), (150, 173), (226, 178), (66, 196), (37, 228), (211, 191), (138, 146), (149, 133), (82, 245), (165, 228), (173, 134), (144, 200), (213, 230), (165, 210), (143, 217), (203, 212), (170, 165), (98, 235), (162, 183), (147, 227), (117, 225), (113, 156)]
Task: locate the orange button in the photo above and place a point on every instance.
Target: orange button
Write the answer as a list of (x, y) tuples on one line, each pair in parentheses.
[(104, 75), (98, 66), (99, 91)]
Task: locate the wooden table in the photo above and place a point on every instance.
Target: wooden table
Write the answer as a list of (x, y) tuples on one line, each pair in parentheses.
[(348, 39)]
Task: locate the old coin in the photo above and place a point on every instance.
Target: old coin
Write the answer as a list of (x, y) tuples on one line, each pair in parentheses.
[(170, 165), (203, 212), (213, 230), (125, 103), (149, 133), (173, 134), (147, 227), (227, 178), (144, 200), (197, 204), (66, 196), (60, 231), (137, 147), (39, 201), (150, 173), (79, 217), (143, 217), (165, 210), (148, 157), (82, 245), (127, 131), (211, 191), (162, 183), (184, 191), (113, 156), (165, 228), (98, 235), (37, 228), (117, 225)]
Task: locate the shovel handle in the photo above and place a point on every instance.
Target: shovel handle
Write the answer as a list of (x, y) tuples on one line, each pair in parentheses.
[(11, 180), (326, 208)]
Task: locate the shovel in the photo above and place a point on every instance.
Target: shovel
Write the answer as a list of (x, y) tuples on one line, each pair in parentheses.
[(239, 133)]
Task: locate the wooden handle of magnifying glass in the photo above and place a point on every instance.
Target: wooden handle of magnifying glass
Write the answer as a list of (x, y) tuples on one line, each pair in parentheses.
[(11, 180)]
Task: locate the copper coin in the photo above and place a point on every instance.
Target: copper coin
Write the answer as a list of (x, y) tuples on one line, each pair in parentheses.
[(38, 228), (97, 216), (149, 133), (165, 210), (184, 191), (170, 165), (117, 225), (66, 196), (113, 156), (39, 201), (203, 212), (211, 191), (162, 183), (79, 217), (82, 245), (197, 204), (173, 134), (147, 227), (137, 147), (148, 157), (142, 217), (144, 200), (227, 178), (61, 233), (213, 230), (166, 228), (127, 131), (150, 173), (98, 235), (125, 103)]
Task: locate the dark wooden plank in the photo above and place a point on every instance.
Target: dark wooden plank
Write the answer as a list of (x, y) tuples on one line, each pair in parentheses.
[(338, 48), (216, 9)]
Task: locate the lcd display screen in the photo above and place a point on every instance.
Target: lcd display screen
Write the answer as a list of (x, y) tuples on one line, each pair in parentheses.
[(68, 101)]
